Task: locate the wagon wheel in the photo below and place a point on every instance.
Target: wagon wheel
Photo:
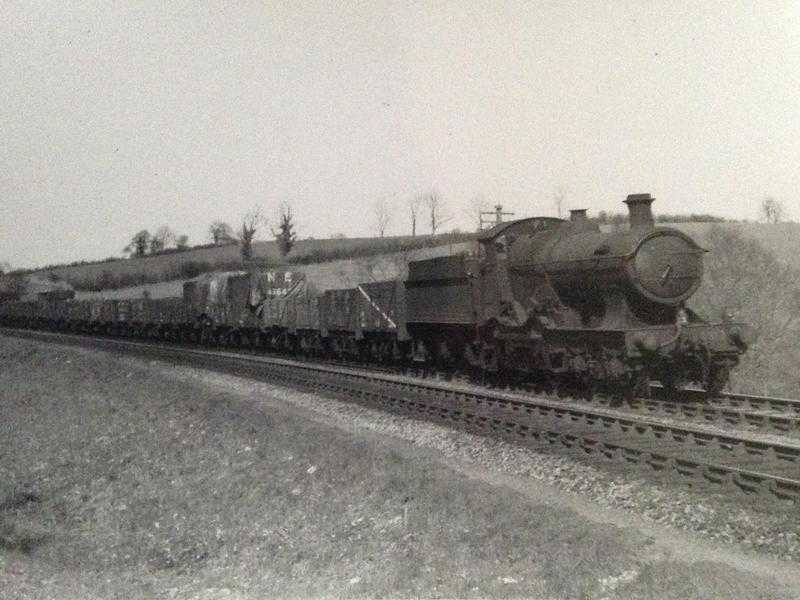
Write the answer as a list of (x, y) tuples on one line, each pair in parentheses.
[(588, 385), (638, 385)]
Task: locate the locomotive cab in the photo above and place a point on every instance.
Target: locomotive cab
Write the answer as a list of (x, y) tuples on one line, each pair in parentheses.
[(501, 288)]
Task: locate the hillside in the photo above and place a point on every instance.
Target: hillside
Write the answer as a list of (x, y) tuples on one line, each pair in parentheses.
[(162, 275), (336, 274), (782, 239)]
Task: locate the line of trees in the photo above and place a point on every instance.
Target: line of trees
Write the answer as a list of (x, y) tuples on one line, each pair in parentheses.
[(427, 209), (770, 211), (145, 243), (615, 218), (430, 208)]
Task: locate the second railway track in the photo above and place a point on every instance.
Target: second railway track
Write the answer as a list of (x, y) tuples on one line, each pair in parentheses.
[(775, 415), (768, 465)]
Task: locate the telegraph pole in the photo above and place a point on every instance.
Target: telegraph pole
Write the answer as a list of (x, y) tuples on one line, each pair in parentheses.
[(494, 217)]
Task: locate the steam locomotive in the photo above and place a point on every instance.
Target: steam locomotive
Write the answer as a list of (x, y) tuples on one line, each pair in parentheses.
[(550, 298), (540, 299)]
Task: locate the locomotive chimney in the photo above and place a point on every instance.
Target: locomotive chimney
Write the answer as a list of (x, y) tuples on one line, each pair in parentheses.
[(639, 213), (579, 221)]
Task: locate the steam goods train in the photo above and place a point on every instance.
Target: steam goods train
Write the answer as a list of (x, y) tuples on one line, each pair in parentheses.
[(539, 299)]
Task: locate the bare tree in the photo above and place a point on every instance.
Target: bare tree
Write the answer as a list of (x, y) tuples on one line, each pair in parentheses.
[(138, 244), (383, 216), (618, 220), (250, 223), (285, 235), (473, 212), (12, 286), (433, 202), (220, 232), (414, 206), (161, 239), (772, 210)]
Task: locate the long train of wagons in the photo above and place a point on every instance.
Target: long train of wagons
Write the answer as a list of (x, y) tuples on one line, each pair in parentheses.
[(540, 298)]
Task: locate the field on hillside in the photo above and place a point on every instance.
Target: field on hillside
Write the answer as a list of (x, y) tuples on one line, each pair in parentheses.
[(335, 274), (168, 266)]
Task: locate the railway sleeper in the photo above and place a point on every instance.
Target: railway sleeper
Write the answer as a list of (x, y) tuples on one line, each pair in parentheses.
[(716, 475), (786, 453), (750, 483), (659, 462), (785, 490)]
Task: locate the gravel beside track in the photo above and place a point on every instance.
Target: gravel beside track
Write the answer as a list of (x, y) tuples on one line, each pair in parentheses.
[(712, 514)]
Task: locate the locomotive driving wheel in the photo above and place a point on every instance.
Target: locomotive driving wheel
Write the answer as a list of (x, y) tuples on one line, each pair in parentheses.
[(671, 377)]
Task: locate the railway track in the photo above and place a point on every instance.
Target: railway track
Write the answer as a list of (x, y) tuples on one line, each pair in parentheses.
[(755, 413), (760, 413), (766, 465), (770, 404)]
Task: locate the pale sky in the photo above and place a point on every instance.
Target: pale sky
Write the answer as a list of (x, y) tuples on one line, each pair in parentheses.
[(114, 119)]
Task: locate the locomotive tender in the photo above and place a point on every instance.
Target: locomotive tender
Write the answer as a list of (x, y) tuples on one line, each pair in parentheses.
[(541, 298)]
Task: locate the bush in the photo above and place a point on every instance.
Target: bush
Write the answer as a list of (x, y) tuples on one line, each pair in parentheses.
[(606, 218), (743, 275), (379, 246), (692, 218), (11, 287), (193, 268), (109, 280)]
